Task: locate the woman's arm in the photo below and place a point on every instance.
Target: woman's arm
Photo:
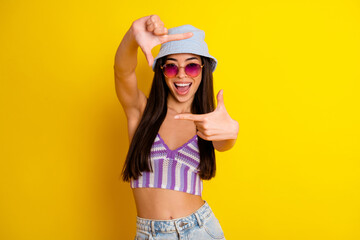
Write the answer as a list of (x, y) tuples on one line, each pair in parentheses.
[(131, 98), (216, 126), (224, 145), (146, 33), (127, 50)]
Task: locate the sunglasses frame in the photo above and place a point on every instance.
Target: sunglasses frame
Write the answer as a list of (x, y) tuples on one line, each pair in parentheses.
[(162, 68)]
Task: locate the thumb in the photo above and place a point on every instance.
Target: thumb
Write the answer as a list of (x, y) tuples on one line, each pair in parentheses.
[(149, 56), (220, 99)]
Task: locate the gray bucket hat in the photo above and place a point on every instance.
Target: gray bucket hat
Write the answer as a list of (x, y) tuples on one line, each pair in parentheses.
[(195, 44)]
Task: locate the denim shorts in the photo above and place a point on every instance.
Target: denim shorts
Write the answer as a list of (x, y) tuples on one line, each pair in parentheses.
[(200, 225)]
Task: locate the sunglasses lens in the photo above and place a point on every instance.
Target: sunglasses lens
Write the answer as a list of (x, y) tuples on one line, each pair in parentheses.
[(170, 70), (193, 69)]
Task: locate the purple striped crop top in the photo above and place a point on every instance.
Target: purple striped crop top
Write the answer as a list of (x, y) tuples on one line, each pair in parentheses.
[(173, 169)]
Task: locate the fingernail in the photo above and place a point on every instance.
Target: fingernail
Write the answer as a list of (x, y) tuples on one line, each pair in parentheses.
[(176, 117)]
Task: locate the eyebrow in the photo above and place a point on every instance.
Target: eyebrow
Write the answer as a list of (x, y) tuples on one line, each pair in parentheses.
[(185, 60)]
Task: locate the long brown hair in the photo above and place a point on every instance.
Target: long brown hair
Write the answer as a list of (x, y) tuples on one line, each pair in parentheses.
[(137, 159)]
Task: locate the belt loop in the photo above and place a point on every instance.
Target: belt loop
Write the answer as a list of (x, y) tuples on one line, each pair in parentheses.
[(153, 228), (198, 219)]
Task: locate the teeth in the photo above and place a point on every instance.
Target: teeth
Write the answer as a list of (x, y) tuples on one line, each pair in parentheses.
[(182, 84)]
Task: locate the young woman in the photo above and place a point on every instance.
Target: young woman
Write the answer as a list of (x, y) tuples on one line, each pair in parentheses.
[(174, 132)]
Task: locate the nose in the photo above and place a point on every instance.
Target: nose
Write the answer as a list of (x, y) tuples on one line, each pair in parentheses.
[(181, 73)]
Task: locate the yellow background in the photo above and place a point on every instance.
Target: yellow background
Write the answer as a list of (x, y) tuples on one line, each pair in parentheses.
[(290, 71)]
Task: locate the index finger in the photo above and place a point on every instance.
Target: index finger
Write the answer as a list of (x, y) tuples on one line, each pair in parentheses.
[(175, 37), (188, 116)]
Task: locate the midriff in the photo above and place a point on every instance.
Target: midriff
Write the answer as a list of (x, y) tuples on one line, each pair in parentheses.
[(165, 204)]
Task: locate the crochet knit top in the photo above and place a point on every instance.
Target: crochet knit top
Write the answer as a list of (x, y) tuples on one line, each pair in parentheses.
[(173, 169)]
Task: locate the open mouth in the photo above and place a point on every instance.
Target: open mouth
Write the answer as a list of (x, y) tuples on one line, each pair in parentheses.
[(182, 88)]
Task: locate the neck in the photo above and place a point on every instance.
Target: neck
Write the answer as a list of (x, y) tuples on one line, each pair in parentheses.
[(179, 107)]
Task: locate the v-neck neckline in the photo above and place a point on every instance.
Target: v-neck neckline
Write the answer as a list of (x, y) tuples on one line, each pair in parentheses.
[(179, 148)]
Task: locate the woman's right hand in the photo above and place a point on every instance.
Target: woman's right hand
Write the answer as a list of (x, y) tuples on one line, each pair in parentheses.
[(149, 32)]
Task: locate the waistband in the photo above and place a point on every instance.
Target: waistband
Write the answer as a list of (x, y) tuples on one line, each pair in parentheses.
[(175, 225)]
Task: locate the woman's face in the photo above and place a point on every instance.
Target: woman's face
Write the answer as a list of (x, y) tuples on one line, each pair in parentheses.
[(183, 87)]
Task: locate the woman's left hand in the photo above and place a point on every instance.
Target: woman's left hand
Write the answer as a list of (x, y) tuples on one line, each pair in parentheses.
[(216, 125)]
